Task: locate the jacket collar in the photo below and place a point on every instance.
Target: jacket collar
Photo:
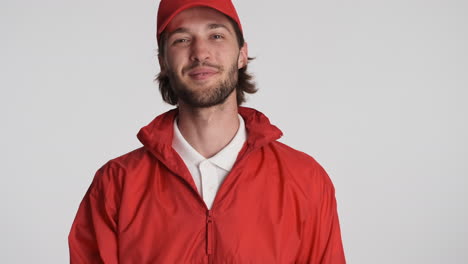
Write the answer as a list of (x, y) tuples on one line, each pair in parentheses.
[(158, 134)]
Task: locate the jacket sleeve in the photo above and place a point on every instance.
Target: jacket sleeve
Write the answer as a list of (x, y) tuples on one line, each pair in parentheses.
[(321, 237), (93, 236)]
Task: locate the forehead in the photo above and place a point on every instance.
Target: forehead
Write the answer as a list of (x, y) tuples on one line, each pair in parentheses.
[(197, 16)]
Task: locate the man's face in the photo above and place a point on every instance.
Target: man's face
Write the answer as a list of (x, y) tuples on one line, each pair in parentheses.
[(202, 57)]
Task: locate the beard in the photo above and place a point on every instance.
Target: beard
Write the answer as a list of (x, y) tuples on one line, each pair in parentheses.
[(209, 96)]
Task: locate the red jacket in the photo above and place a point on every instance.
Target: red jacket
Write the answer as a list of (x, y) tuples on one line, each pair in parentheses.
[(277, 205)]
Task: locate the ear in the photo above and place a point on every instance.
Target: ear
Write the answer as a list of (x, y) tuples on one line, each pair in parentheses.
[(243, 56)]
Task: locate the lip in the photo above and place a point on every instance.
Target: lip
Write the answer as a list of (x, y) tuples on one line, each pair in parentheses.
[(202, 73)]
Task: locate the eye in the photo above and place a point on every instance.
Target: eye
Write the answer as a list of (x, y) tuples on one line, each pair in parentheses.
[(180, 41), (217, 36)]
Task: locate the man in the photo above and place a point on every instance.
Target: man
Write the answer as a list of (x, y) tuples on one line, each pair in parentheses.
[(211, 184)]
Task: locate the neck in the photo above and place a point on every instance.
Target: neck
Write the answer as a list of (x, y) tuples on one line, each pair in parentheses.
[(209, 130)]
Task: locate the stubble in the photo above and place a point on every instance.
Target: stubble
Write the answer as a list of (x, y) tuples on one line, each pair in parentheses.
[(203, 97)]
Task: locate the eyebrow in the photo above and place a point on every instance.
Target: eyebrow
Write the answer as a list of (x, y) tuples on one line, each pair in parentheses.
[(214, 26), (179, 30), (186, 30)]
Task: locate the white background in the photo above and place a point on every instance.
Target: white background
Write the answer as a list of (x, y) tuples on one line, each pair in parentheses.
[(376, 91)]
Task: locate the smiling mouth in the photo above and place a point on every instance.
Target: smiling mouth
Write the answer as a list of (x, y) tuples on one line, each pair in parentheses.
[(202, 74)]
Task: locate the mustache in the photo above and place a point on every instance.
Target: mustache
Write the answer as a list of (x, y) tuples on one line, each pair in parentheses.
[(201, 64)]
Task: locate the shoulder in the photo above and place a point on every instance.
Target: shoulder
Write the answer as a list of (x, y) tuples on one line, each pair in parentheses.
[(132, 159), (299, 166), (115, 172), (294, 157)]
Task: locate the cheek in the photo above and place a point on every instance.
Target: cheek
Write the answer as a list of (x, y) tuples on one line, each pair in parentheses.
[(228, 55), (176, 60), (174, 65)]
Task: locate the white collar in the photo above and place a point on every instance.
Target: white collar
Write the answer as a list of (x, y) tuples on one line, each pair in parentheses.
[(224, 159)]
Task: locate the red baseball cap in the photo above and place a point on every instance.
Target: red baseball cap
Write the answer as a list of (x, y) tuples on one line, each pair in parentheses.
[(168, 9)]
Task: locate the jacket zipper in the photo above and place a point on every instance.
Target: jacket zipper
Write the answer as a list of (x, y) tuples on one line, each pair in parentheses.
[(210, 219), (209, 235)]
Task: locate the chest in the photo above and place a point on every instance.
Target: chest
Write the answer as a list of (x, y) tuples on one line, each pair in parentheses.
[(256, 218)]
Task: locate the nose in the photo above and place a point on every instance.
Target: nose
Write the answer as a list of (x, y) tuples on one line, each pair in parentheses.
[(199, 50)]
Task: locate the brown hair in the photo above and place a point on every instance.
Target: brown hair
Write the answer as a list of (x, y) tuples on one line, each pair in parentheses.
[(245, 83)]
